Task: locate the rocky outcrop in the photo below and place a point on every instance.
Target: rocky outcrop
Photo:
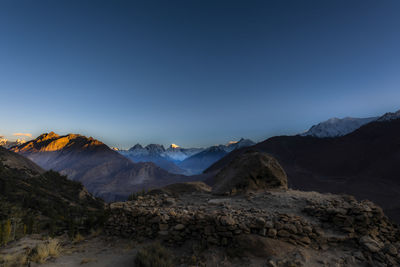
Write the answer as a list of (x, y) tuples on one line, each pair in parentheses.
[(251, 171)]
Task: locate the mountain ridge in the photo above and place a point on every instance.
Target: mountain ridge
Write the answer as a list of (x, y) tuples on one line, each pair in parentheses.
[(103, 171)]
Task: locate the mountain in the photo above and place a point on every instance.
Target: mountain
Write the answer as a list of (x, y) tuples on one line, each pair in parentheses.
[(197, 163), (178, 153), (178, 160), (152, 153), (8, 144), (232, 145), (363, 163), (200, 161), (390, 116), (335, 127), (103, 171), (36, 200)]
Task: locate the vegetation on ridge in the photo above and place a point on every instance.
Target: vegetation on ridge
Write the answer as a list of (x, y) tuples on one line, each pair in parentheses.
[(48, 202)]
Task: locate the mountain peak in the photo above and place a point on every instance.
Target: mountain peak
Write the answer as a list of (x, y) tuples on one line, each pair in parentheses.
[(174, 146), (335, 127), (137, 146), (390, 116), (155, 148), (47, 136), (53, 142)]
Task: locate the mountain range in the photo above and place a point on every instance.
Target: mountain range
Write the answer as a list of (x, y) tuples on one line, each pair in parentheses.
[(178, 160), (363, 163), (103, 171), (335, 127)]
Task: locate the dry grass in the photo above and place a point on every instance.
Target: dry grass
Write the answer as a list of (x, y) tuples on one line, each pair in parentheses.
[(13, 260), (78, 238), (95, 233), (154, 255), (45, 250)]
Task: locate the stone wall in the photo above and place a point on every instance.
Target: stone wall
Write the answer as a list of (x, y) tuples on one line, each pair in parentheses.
[(323, 225)]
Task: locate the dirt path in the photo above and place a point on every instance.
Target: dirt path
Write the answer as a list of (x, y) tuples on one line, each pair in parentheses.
[(97, 252)]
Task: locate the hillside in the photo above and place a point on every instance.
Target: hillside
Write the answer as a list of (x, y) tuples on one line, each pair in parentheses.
[(35, 201), (102, 171), (363, 163)]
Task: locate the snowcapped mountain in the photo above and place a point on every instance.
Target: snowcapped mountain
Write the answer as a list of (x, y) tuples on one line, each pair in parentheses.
[(173, 159), (8, 144), (335, 127), (178, 153), (390, 116), (232, 145), (153, 153), (3, 141), (174, 153)]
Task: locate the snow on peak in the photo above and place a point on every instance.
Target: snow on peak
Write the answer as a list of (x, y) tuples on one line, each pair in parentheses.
[(232, 142), (335, 127), (174, 146), (390, 116)]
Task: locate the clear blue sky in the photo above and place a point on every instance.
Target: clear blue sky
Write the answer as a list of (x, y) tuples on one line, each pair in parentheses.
[(194, 72)]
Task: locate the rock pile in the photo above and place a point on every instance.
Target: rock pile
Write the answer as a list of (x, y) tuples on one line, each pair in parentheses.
[(362, 223)]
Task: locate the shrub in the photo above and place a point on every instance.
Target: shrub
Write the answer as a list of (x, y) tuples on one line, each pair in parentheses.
[(5, 232), (153, 255), (78, 238), (50, 248)]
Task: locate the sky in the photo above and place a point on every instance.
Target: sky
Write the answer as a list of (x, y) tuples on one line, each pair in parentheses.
[(193, 72)]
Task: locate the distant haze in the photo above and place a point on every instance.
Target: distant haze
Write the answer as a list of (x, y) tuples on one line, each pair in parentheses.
[(194, 73)]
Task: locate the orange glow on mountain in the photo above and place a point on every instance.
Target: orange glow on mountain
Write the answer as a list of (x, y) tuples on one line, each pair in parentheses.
[(175, 146)]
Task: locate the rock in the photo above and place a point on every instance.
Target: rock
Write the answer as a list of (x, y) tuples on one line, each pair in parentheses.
[(163, 233), (391, 250), (179, 227), (227, 220), (262, 232), (305, 240), (163, 227), (272, 233), (283, 233), (251, 171), (371, 244), (358, 255), (260, 222)]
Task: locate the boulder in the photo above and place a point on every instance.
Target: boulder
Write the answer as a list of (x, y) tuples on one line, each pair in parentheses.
[(250, 171)]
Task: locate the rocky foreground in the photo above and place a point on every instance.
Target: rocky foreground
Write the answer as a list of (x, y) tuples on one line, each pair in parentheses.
[(323, 229), (251, 214)]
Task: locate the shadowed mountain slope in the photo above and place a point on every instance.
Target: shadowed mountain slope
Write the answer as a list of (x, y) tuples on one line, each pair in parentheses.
[(35, 200), (363, 163)]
